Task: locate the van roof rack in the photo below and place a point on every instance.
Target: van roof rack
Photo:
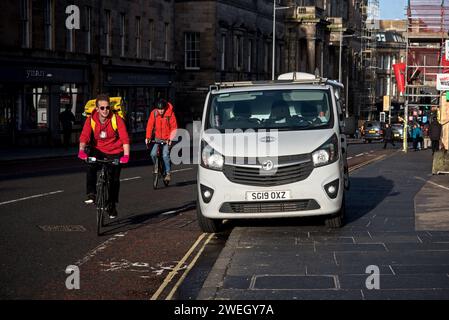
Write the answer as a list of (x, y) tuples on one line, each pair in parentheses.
[(288, 78)]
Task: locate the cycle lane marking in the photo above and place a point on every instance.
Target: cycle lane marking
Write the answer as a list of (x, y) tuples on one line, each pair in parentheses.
[(32, 197), (102, 247)]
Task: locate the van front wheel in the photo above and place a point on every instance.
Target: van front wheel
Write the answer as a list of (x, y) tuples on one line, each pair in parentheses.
[(207, 225), (336, 221)]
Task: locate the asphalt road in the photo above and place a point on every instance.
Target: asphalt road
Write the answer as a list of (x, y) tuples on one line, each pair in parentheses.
[(45, 227)]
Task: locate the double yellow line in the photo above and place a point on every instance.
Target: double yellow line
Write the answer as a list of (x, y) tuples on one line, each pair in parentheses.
[(360, 165), (176, 270)]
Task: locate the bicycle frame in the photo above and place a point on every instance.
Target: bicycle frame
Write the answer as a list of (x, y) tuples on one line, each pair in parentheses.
[(103, 186), (159, 167)]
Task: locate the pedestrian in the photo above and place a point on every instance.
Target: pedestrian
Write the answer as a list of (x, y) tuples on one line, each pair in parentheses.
[(388, 136), (106, 142), (435, 134), (66, 118), (416, 136)]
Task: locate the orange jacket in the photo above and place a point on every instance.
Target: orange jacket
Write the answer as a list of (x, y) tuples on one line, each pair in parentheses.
[(164, 126)]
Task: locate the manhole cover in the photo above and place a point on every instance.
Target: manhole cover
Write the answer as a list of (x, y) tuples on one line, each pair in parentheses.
[(66, 228)]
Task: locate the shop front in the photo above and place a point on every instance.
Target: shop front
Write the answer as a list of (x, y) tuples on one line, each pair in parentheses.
[(31, 100)]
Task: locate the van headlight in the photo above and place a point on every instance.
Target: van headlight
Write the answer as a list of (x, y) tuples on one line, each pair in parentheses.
[(327, 153), (210, 158)]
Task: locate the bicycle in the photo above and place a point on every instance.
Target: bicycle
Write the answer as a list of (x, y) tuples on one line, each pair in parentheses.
[(159, 172), (103, 188)]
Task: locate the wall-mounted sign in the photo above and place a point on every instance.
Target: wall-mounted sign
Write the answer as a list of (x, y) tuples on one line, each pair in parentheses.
[(442, 82), (387, 103)]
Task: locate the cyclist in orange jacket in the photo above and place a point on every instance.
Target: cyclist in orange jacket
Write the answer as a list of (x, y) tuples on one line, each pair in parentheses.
[(162, 126)]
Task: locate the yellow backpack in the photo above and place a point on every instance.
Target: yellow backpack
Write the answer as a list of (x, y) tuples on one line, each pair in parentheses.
[(117, 107)]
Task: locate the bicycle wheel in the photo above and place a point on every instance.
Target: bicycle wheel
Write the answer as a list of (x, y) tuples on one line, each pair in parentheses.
[(100, 220), (156, 174), (102, 197), (162, 172)]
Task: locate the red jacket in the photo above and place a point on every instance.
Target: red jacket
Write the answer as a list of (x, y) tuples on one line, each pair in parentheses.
[(164, 125), (113, 142)]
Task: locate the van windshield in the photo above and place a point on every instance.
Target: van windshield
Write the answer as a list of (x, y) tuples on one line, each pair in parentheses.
[(300, 109)]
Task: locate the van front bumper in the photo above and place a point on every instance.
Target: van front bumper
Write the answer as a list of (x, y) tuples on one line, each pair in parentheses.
[(228, 200)]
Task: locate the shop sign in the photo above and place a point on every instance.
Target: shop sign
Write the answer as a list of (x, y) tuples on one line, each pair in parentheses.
[(442, 82)]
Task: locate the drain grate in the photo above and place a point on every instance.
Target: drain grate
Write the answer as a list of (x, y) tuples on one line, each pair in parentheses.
[(63, 228)]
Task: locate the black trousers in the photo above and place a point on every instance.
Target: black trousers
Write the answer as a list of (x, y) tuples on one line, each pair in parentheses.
[(435, 146), (415, 143), (388, 141), (92, 174)]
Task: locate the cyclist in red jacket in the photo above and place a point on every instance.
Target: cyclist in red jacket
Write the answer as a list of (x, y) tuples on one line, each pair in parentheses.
[(108, 139), (162, 126)]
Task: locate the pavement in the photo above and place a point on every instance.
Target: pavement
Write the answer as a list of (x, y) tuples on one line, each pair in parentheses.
[(397, 223)]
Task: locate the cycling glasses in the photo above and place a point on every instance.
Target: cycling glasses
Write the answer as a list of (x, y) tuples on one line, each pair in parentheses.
[(104, 107)]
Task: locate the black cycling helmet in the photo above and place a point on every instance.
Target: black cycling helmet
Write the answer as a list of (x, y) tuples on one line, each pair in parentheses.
[(161, 104)]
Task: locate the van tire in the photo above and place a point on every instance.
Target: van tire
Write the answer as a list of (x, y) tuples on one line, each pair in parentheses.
[(336, 221), (207, 225)]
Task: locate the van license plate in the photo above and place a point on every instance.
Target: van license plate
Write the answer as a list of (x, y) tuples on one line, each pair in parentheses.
[(268, 195)]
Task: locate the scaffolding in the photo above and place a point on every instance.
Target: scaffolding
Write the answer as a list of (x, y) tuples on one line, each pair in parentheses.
[(370, 28), (427, 32)]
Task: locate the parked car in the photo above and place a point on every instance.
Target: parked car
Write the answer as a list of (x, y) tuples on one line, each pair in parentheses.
[(373, 131), (398, 131)]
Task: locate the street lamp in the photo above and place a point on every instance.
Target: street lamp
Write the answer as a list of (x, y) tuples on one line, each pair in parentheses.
[(274, 37), (340, 53)]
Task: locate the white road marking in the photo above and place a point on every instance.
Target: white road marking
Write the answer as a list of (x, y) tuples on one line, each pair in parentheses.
[(128, 179), (349, 158), (32, 197), (180, 170), (433, 183), (168, 212), (360, 154), (99, 249)]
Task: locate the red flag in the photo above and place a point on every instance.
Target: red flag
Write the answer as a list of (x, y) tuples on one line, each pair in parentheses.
[(399, 72), (445, 64)]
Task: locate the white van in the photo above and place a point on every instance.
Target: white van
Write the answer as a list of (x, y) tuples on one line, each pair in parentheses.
[(271, 150)]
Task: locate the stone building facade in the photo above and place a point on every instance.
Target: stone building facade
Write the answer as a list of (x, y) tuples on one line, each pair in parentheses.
[(223, 40), (144, 49), (234, 42), (124, 48), (390, 49)]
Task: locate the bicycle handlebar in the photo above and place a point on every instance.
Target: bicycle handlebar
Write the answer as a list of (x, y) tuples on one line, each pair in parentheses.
[(114, 162), (161, 142)]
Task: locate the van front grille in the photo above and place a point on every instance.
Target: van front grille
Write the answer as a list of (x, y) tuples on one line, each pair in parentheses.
[(269, 207), (283, 173)]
